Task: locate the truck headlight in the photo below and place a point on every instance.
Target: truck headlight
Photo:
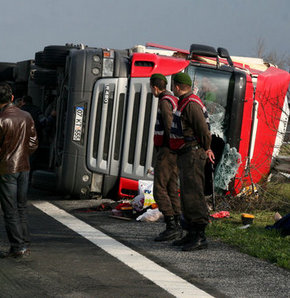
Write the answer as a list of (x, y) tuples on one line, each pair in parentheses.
[(85, 178)]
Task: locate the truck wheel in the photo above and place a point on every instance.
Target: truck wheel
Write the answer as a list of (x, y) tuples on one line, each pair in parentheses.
[(46, 77), (55, 56), (38, 58), (7, 71)]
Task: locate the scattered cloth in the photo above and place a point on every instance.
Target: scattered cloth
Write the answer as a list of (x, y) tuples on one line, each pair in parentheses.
[(221, 214)]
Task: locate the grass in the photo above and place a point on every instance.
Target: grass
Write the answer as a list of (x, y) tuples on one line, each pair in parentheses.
[(285, 150), (256, 240)]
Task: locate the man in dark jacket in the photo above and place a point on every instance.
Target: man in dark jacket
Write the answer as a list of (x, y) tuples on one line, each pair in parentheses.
[(36, 114), (165, 169), (40, 124), (191, 138), (18, 139)]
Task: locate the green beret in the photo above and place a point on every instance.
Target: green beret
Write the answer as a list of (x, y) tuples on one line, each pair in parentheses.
[(182, 78), (159, 76)]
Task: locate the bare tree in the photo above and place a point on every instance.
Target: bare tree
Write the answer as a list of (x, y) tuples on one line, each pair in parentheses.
[(260, 48), (282, 61)]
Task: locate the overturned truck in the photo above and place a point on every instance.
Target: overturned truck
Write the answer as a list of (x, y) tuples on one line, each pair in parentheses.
[(104, 114)]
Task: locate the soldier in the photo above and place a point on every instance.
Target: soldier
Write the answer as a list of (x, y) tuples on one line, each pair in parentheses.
[(191, 139), (165, 170)]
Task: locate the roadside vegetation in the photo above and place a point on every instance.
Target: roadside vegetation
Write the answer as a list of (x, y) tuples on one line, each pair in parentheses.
[(256, 241), (269, 245), (271, 197), (285, 150)]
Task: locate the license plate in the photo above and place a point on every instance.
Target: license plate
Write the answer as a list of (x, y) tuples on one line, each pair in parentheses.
[(77, 135)]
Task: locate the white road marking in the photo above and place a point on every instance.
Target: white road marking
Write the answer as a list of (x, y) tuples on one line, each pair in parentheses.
[(157, 274)]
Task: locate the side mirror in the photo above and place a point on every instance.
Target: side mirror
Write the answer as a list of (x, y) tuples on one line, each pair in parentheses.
[(203, 50), (223, 53)]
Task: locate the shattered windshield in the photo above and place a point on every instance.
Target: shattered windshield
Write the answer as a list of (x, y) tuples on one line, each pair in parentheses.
[(214, 89), (212, 86)]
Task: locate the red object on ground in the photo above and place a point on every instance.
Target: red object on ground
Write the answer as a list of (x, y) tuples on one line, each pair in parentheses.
[(121, 205), (221, 214)]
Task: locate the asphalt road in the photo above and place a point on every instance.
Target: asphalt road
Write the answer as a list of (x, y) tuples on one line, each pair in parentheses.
[(66, 263)]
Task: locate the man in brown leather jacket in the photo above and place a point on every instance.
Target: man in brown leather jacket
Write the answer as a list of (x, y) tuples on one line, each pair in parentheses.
[(18, 139)]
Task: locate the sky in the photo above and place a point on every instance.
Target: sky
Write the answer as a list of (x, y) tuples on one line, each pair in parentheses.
[(28, 26)]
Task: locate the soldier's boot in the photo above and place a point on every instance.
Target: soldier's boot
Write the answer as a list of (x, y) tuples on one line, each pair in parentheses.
[(171, 232), (184, 240), (177, 219), (197, 238)]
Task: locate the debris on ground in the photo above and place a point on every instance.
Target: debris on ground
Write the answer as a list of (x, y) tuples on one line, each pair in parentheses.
[(142, 207), (150, 215), (244, 227), (247, 219), (219, 215), (249, 191), (102, 207)]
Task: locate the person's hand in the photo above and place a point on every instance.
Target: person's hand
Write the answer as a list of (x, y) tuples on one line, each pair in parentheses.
[(210, 155)]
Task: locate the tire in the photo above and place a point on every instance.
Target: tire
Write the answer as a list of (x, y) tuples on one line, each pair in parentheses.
[(38, 58), (55, 56), (22, 71), (7, 71), (45, 77)]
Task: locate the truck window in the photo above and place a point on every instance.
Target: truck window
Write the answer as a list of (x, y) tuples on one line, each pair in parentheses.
[(212, 86)]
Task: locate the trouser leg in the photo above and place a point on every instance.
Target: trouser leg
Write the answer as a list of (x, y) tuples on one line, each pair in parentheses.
[(165, 183), (172, 186), (8, 197), (191, 170), (191, 175), (22, 205), (166, 193)]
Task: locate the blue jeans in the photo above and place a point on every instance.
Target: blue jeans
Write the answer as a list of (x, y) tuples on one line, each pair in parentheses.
[(13, 198)]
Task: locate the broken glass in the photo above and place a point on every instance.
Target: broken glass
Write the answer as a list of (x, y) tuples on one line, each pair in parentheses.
[(227, 167), (216, 118)]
